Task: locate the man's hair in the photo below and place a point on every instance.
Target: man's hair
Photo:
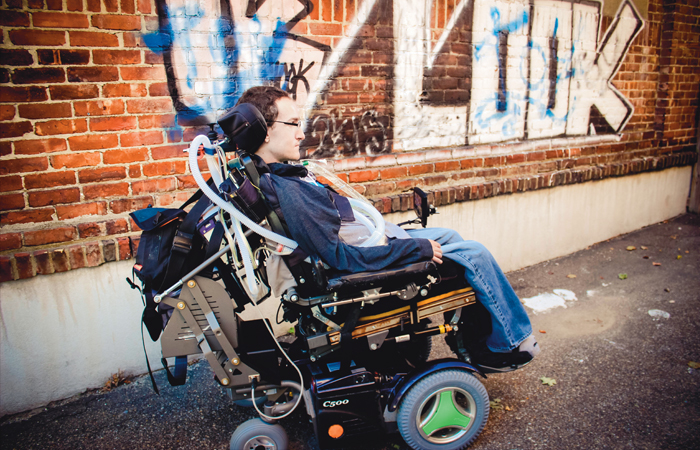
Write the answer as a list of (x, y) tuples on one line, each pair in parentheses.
[(264, 98)]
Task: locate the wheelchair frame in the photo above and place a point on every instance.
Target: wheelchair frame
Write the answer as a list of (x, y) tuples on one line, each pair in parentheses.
[(367, 374)]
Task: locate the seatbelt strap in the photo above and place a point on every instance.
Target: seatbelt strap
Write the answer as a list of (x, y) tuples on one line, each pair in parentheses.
[(179, 376)]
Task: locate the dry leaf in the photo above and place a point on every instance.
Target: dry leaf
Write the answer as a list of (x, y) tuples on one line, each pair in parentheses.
[(693, 365), (548, 381), (622, 276), (678, 257), (644, 248), (631, 248), (543, 331), (645, 257), (674, 237), (571, 275), (656, 264), (508, 408)]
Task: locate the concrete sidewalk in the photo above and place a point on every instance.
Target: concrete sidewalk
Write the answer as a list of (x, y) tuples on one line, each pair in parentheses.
[(619, 354)]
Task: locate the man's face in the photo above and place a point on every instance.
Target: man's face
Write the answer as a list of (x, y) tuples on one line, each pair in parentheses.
[(282, 142)]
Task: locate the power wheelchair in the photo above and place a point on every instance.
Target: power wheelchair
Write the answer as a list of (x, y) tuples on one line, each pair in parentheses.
[(358, 355)]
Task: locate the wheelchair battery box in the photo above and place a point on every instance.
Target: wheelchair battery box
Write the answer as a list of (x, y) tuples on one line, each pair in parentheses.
[(346, 403)]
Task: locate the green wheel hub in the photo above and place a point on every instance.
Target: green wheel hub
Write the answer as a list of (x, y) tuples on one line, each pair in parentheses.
[(446, 415)]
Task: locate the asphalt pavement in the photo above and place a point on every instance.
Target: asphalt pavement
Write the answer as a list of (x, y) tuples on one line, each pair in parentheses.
[(618, 353)]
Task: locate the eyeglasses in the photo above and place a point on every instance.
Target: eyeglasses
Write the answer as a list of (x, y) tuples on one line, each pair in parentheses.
[(291, 124)]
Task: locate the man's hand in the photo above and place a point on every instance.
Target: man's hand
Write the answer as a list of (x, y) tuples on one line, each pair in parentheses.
[(437, 251)]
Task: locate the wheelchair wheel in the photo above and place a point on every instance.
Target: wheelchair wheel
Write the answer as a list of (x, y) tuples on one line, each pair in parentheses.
[(254, 434), (446, 410)]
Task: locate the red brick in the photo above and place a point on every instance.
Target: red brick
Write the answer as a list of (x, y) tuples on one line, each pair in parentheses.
[(150, 57), (93, 142), (76, 256), (93, 254), (76, 92), (124, 90), (84, 209), (113, 123), (49, 179), (14, 19), (141, 138), (15, 129), (53, 127), (143, 73), (45, 110), (130, 204), (27, 216), (41, 75), (7, 112), (42, 260), (161, 121), (16, 57), (111, 5), (11, 183), (164, 168), (99, 107), (90, 229), (37, 37), (11, 201), (124, 248), (126, 156), (98, 73), (53, 197), (150, 186), (325, 29), (25, 266), (515, 159), (102, 174), (63, 57), (420, 169), (5, 148), (116, 226), (43, 237), (59, 20), (187, 182), (393, 172), (537, 156), (22, 94), (127, 6), (74, 5), (158, 90), (94, 191), (21, 165), (116, 57), (75, 160), (134, 171), (362, 176), (116, 22), (10, 241), (447, 166), (6, 269), (149, 106), (54, 5), (144, 6), (93, 39), (169, 151)]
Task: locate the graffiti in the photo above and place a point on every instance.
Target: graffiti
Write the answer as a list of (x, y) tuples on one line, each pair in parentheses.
[(538, 68), (352, 136)]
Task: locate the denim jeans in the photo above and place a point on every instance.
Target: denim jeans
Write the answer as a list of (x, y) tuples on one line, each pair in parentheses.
[(509, 321)]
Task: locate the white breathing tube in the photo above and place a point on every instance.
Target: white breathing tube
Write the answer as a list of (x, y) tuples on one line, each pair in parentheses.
[(376, 223)]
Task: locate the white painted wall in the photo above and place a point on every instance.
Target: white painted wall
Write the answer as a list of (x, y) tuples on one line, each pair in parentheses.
[(64, 333)]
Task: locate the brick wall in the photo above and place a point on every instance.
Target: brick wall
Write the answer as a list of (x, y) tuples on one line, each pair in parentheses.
[(98, 98)]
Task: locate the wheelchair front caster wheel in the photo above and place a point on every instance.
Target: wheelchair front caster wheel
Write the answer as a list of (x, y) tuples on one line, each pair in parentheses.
[(255, 434), (446, 410)]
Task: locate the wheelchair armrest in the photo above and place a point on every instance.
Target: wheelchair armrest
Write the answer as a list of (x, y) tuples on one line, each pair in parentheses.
[(383, 278)]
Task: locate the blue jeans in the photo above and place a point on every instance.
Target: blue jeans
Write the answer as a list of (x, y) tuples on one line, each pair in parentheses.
[(509, 321)]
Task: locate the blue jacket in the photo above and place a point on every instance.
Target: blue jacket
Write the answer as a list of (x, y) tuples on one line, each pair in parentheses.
[(314, 220)]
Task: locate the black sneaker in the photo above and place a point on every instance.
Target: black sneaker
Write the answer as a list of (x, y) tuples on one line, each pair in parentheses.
[(505, 362)]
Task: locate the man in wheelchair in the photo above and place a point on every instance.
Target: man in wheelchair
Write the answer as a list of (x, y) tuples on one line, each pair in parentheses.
[(326, 230)]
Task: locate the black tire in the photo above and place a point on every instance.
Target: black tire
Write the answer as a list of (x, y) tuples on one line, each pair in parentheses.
[(446, 410), (254, 434)]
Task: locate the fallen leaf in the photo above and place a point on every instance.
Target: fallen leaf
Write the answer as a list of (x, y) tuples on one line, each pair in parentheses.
[(551, 273), (571, 275), (693, 365), (687, 251), (543, 331), (644, 248), (656, 264), (645, 257), (674, 237), (496, 404), (622, 276), (508, 408), (631, 248), (678, 257), (548, 381), (667, 289), (672, 301)]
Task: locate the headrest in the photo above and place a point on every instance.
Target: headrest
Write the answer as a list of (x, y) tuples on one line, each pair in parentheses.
[(245, 126)]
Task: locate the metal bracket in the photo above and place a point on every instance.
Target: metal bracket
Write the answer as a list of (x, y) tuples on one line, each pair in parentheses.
[(316, 311)]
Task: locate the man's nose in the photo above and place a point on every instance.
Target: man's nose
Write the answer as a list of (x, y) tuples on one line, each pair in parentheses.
[(300, 133)]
